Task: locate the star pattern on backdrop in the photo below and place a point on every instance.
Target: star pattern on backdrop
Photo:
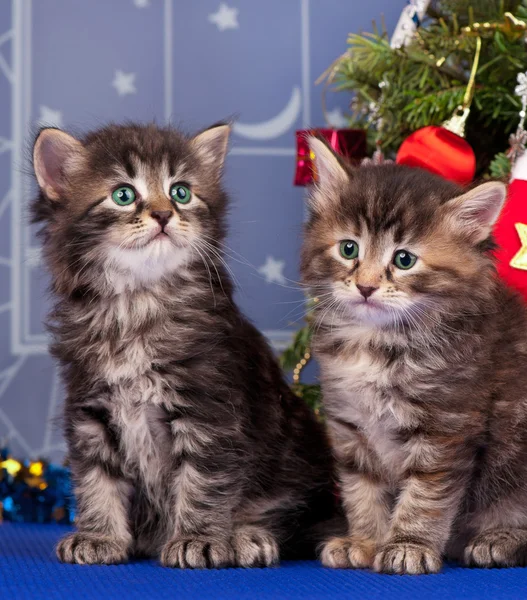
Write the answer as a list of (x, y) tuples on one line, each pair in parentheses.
[(226, 17), (336, 119), (222, 16), (49, 116), (124, 83), (519, 260), (272, 270)]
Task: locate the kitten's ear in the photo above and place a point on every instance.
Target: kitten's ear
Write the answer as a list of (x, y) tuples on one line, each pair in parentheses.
[(211, 145), (55, 153), (330, 175), (476, 211)]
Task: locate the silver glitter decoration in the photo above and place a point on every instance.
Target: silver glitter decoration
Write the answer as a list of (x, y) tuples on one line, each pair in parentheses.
[(376, 120), (518, 139), (376, 159)]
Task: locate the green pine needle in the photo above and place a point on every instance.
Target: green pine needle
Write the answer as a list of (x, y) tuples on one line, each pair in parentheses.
[(500, 167), (420, 93)]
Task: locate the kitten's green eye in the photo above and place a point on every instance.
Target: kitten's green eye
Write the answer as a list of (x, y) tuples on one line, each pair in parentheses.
[(123, 196), (404, 260), (349, 249), (180, 193)]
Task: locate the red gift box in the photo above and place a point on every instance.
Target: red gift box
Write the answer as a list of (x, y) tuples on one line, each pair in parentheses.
[(350, 143)]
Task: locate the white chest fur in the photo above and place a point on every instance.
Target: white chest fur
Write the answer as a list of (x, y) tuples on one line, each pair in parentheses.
[(144, 439), (358, 390)]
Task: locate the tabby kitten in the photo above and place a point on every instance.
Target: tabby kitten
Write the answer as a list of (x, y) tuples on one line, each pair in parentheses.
[(184, 439), (423, 355)]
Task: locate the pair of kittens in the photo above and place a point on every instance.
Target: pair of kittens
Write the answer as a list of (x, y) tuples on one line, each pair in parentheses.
[(185, 441)]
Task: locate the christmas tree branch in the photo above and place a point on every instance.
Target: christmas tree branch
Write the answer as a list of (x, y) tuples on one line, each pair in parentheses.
[(424, 81)]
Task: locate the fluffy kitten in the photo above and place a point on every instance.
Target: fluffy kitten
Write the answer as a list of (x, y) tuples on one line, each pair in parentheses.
[(184, 439), (423, 355)]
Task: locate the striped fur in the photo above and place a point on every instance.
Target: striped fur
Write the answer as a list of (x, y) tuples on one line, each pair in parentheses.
[(424, 382), (184, 440)]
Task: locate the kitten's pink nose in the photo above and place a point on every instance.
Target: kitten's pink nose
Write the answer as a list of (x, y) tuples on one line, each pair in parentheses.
[(161, 216), (366, 290)]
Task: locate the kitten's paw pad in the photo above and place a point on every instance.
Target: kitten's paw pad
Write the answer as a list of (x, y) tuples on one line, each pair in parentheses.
[(198, 553), (255, 547), (500, 548), (347, 553), (407, 558), (91, 549)]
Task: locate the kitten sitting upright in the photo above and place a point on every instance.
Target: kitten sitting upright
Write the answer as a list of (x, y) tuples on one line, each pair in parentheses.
[(184, 439), (423, 356)]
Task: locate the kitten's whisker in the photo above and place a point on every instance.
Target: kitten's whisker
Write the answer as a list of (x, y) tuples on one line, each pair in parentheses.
[(319, 321), (304, 300), (301, 286), (208, 270), (218, 255), (223, 245), (411, 320), (430, 302), (337, 313), (396, 318), (437, 320), (204, 249), (343, 311), (301, 313), (282, 285), (329, 310), (304, 309)]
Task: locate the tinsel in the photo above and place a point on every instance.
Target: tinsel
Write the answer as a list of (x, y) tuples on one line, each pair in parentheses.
[(410, 19), (34, 491), (518, 139)]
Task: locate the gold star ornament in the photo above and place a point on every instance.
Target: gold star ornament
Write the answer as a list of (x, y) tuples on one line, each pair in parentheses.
[(519, 260)]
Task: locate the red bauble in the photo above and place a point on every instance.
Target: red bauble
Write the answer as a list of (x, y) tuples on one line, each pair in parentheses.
[(506, 234), (440, 151)]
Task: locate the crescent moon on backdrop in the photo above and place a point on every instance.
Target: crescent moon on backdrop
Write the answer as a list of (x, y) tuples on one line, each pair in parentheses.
[(276, 126)]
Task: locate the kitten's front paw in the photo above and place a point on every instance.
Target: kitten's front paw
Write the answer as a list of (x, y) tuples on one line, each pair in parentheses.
[(347, 553), (91, 549), (255, 547), (407, 558), (499, 548), (198, 552)]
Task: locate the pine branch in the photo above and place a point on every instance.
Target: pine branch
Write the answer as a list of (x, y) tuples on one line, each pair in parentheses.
[(311, 395), (426, 80), (296, 351), (500, 167)]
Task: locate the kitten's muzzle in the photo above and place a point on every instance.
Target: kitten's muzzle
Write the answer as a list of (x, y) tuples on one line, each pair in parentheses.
[(162, 216), (366, 290)]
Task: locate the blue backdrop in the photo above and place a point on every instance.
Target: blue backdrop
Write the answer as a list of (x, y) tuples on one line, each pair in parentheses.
[(79, 63)]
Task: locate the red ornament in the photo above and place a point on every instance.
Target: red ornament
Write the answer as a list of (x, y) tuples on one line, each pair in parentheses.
[(440, 151), (512, 224), (350, 143)]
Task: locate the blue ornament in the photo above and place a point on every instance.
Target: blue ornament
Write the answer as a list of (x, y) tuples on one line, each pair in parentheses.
[(36, 493)]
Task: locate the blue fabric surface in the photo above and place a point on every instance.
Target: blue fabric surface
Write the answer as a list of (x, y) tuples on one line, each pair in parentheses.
[(29, 570)]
